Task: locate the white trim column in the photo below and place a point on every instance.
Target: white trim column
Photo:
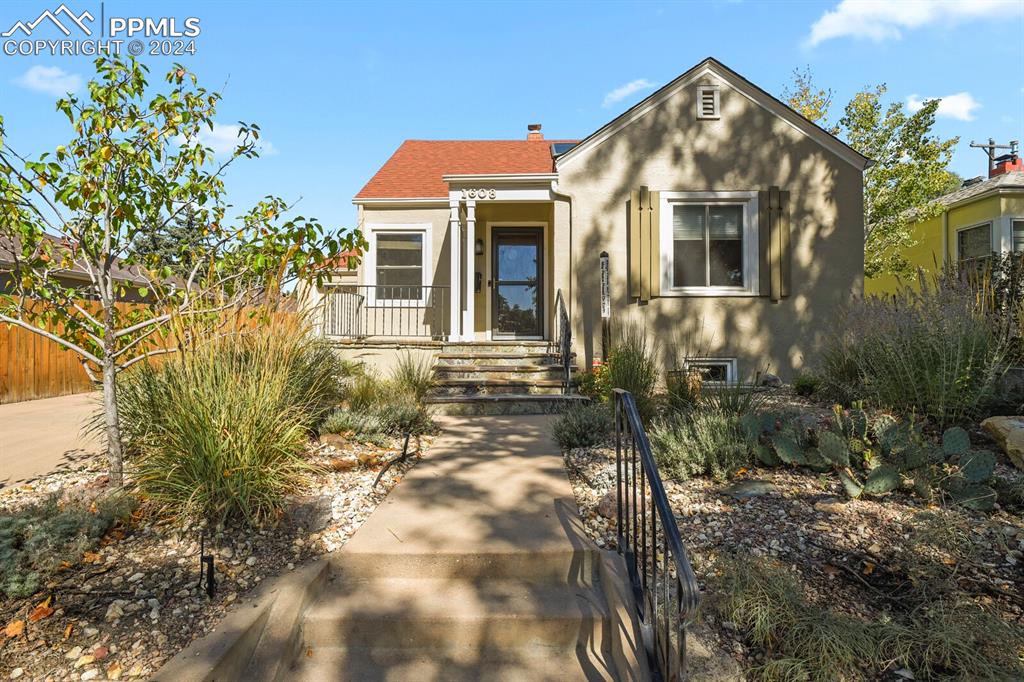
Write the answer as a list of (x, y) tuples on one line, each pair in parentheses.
[(455, 242), (469, 316)]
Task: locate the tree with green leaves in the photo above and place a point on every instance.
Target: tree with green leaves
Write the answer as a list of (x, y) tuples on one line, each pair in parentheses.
[(174, 245), (910, 164), (134, 166)]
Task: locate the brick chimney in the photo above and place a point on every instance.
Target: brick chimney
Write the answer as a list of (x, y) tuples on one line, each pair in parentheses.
[(533, 132), (1005, 164)]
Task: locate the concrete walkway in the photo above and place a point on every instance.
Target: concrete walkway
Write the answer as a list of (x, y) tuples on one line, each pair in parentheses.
[(488, 484), (40, 436), (475, 567)]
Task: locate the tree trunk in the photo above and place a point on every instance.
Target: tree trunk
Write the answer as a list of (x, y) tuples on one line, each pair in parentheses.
[(113, 423)]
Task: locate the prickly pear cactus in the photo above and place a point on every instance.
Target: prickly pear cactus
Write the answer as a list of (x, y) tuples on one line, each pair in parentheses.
[(788, 450), (881, 480), (834, 449), (955, 441), (975, 496), (851, 485), (977, 466)]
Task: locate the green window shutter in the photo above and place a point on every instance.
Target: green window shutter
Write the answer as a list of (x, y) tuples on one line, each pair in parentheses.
[(654, 250), (779, 257), (645, 244), (634, 243), (644, 250), (764, 246)]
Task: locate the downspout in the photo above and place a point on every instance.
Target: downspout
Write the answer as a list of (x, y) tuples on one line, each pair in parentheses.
[(570, 199)]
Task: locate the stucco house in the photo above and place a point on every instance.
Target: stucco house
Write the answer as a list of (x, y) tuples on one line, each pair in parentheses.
[(730, 223)]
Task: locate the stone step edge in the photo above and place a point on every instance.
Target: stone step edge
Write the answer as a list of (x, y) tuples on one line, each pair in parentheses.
[(506, 397), (498, 368)]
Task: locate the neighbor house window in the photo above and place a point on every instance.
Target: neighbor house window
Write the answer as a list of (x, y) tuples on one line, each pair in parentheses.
[(398, 263), (1018, 236), (973, 249), (709, 246)]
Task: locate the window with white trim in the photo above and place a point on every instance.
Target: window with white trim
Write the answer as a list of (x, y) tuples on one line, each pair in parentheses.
[(712, 370), (398, 263), (709, 243), (1018, 236), (974, 248)]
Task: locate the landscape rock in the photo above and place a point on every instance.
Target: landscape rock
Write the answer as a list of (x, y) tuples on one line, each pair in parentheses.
[(771, 381), (311, 512), (608, 506), (742, 490), (1009, 433)]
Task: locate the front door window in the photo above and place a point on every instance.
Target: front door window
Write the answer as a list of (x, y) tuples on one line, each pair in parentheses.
[(517, 287)]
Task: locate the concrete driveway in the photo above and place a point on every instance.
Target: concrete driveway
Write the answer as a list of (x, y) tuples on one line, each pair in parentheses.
[(40, 436)]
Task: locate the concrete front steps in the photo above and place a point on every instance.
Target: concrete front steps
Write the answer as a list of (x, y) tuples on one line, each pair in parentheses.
[(456, 622), (500, 377)]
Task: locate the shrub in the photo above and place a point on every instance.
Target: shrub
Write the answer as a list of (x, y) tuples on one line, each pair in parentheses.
[(583, 426), (738, 398), (219, 432), (701, 441), (414, 376), (806, 385), (364, 390), (36, 540), (361, 424), (631, 366), (935, 352), (593, 383)]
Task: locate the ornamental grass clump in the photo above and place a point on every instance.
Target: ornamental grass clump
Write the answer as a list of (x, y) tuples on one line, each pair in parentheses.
[(632, 367), (937, 351), (219, 433)]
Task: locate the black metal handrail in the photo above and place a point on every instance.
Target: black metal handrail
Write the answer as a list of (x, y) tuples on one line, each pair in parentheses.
[(357, 311), (666, 595), (564, 342)]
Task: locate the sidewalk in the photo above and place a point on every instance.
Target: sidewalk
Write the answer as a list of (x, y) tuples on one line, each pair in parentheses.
[(40, 436)]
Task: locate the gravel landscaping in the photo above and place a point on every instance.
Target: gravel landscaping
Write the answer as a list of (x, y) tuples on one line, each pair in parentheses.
[(128, 606), (855, 556)]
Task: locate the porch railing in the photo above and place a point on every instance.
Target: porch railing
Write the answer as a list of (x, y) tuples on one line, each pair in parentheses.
[(664, 586), (386, 311), (564, 342)]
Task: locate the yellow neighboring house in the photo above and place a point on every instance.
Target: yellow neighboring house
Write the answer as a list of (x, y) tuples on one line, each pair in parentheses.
[(983, 217)]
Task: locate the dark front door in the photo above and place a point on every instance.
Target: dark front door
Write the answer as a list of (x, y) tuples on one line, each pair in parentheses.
[(517, 291)]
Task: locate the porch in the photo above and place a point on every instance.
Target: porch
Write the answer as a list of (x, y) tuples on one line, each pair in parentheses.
[(480, 269)]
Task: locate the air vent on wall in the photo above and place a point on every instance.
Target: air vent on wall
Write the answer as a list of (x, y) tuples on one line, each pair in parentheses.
[(707, 101)]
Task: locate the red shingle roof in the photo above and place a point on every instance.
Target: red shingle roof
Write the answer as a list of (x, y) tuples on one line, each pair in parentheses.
[(414, 171)]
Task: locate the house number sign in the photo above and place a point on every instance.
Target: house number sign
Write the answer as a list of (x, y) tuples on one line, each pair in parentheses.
[(479, 193), (606, 289)]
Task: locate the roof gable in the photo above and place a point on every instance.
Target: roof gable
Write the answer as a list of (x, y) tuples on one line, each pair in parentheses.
[(417, 168), (738, 83)]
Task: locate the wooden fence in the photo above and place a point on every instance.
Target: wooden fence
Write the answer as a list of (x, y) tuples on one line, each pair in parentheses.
[(32, 366)]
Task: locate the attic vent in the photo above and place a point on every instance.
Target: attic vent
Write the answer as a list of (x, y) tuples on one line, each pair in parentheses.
[(707, 101)]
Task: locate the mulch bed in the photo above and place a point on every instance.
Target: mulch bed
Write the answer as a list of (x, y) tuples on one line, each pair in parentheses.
[(126, 608)]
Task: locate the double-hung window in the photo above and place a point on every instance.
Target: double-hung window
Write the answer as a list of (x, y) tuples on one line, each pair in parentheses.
[(398, 263), (1018, 236), (974, 249), (709, 243)]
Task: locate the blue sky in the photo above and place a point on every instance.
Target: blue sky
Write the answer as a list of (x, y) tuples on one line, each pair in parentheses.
[(337, 87)]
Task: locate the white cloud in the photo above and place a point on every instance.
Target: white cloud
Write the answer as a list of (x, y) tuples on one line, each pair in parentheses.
[(51, 80), (623, 91), (223, 140), (960, 106), (877, 20)]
